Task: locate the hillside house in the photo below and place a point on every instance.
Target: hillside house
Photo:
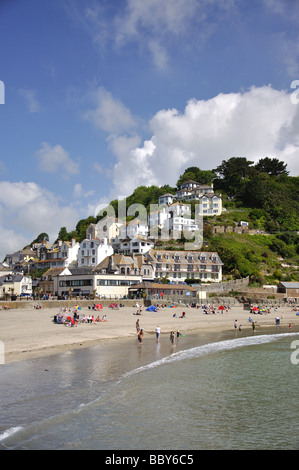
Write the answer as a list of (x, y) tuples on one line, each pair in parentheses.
[(58, 255), (166, 199), (93, 251), (108, 227), (203, 194), (290, 289), (15, 284)]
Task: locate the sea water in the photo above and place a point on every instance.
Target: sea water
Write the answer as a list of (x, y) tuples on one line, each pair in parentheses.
[(234, 391)]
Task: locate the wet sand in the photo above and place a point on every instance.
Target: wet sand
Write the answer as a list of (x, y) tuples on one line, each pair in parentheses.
[(29, 333)]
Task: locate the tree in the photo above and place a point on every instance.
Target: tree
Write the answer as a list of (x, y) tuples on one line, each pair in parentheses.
[(200, 176), (63, 234), (271, 166), (232, 175), (82, 226), (40, 238)]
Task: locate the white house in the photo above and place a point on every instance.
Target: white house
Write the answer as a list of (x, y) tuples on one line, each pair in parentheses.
[(210, 203), (93, 251), (135, 246), (15, 284), (61, 254), (173, 217), (181, 224), (166, 199), (133, 229), (177, 209), (159, 217)]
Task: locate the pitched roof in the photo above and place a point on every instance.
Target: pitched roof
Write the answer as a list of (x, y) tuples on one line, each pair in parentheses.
[(290, 285), (11, 278), (182, 254), (53, 271)]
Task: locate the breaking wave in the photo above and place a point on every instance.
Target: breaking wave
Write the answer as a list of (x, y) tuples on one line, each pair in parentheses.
[(211, 348)]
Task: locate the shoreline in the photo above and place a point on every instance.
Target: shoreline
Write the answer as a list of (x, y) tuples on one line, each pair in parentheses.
[(31, 333)]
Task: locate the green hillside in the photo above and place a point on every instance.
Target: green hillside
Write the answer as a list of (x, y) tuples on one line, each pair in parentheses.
[(262, 194)]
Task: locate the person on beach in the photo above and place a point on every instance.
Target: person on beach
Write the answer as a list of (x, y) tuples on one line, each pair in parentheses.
[(172, 337), (158, 333), (137, 326), (236, 324), (253, 325), (140, 335)]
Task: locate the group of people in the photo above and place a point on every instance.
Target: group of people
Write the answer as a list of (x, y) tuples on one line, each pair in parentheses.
[(181, 316), (73, 318), (92, 319), (140, 333)]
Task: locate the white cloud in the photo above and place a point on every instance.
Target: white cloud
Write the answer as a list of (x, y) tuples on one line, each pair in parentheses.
[(54, 159), (79, 193), (257, 123), (31, 100), (152, 26), (26, 210), (108, 113), (98, 168)]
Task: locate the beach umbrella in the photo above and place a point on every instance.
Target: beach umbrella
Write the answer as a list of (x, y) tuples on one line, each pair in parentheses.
[(98, 307), (255, 309), (113, 306), (221, 307)]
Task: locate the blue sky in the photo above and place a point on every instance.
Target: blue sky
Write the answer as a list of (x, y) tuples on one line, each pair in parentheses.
[(102, 96)]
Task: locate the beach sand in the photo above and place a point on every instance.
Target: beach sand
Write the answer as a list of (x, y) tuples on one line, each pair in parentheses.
[(30, 333)]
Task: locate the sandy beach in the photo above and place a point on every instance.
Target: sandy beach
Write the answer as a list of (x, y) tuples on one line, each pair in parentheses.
[(28, 333)]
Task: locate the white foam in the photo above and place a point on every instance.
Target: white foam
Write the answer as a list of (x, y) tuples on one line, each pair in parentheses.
[(9, 432), (210, 348)]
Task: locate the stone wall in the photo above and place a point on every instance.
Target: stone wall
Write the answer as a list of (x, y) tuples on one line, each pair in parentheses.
[(238, 285), (57, 304)]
